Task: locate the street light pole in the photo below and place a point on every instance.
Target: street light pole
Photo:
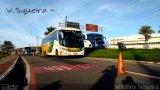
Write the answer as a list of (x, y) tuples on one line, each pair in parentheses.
[(102, 30), (66, 21)]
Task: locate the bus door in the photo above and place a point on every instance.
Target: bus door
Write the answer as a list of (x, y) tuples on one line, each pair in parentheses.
[(50, 47)]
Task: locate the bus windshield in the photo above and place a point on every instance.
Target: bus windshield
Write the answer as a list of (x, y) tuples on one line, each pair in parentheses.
[(27, 50), (72, 39), (99, 39)]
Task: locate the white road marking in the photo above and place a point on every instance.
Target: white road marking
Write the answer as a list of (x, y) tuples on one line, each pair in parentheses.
[(66, 67), (48, 68), (81, 66), (144, 75), (45, 68), (57, 67)]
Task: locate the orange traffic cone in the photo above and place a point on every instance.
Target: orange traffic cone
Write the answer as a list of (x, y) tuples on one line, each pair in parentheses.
[(121, 69)]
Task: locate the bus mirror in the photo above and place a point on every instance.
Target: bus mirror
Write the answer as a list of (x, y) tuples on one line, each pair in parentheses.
[(62, 35), (104, 38), (85, 37)]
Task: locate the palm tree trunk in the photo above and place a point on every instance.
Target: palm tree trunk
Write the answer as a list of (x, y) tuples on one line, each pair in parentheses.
[(145, 37), (145, 45)]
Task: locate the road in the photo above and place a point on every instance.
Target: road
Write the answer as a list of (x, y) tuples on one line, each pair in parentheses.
[(74, 73)]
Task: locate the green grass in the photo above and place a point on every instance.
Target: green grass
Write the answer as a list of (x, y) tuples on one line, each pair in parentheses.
[(128, 54), (3, 55)]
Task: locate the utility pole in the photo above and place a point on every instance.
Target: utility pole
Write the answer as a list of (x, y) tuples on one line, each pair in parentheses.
[(102, 30)]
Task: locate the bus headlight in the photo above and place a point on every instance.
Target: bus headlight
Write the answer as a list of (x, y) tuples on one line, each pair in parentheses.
[(82, 49)]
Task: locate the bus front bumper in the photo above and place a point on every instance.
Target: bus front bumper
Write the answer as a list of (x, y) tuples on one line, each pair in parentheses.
[(67, 53)]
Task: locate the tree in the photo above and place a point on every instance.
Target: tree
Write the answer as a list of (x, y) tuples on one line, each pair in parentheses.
[(146, 31), (6, 46), (49, 29)]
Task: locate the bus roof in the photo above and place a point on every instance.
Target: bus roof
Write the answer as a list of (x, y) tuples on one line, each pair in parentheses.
[(94, 34), (67, 28), (64, 28)]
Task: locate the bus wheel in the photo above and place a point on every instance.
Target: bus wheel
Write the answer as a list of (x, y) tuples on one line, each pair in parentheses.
[(44, 53), (56, 53)]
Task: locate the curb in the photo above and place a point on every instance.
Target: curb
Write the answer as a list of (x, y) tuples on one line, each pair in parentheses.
[(27, 75), (116, 60), (3, 75)]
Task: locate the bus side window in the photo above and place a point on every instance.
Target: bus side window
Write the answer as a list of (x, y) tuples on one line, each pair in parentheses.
[(85, 37)]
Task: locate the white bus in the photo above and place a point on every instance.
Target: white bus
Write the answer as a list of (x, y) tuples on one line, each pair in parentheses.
[(63, 41), (87, 43)]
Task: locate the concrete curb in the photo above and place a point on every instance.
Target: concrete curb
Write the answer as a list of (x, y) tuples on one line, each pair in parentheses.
[(3, 75), (28, 74), (131, 61)]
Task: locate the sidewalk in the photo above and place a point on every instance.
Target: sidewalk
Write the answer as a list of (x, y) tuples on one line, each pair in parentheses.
[(6, 62)]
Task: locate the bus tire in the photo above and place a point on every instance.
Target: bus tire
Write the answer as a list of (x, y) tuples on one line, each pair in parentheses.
[(56, 53), (44, 53)]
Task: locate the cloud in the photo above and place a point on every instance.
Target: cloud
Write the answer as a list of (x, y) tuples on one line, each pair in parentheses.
[(117, 8), (130, 7), (108, 7), (20, 39)]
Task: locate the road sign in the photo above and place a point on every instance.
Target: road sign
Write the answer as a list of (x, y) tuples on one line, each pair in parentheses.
[(73, 24), (92, 27)]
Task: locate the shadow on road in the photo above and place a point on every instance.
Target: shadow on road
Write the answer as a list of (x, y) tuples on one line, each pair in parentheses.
[(128, 81), (64, 60), (153, 72), (150, 70), (42, 59), (53, 86), (88, 51), (129, 84), (107, 81), (15, 80)]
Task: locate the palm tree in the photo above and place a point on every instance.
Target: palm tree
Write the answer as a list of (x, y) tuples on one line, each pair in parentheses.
[(146, 31), (49, 29)]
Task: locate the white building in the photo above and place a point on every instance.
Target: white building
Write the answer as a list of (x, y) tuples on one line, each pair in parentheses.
[(135, 41)]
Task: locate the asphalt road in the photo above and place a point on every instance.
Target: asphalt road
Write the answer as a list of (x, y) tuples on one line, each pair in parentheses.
[(74, 73)]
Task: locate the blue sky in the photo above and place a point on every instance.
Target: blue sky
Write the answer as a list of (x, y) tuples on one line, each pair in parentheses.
[(118, 17)]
